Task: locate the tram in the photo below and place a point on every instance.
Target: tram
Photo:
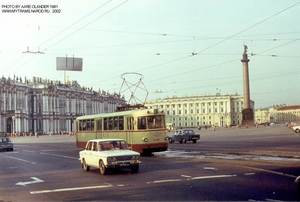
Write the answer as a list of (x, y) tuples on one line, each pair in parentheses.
[(143, 129)]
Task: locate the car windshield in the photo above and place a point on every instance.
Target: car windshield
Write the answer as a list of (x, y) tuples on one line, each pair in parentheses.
[(112, 145)]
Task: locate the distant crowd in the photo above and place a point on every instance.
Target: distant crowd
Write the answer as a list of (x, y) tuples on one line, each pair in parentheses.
[(36, 134)]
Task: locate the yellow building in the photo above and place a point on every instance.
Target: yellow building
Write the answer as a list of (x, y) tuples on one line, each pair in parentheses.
[(197, 111), (278, 114)]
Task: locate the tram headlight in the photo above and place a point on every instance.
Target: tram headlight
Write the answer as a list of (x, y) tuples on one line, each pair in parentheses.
[(146, 139)]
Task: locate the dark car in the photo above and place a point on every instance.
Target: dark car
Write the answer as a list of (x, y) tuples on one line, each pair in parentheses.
[(183, 136), (6, 144)]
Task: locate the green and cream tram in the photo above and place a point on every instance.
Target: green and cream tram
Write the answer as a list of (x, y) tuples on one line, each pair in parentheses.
[(143, 129)]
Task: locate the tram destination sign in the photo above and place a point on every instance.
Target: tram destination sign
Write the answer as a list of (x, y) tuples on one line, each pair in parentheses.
[(68, 64)]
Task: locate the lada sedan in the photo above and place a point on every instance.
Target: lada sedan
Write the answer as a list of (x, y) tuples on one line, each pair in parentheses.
[(6, 144), (105, 154)]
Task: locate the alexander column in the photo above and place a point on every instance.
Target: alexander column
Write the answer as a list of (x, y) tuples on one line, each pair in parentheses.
[(247, 112)]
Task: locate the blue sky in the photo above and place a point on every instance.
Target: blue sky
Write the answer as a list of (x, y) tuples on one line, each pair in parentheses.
[(157, 38)]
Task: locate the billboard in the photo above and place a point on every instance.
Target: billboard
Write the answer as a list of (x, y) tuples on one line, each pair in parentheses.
[(68, 64)]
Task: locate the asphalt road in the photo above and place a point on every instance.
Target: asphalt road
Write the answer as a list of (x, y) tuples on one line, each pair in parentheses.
[(227, 164)]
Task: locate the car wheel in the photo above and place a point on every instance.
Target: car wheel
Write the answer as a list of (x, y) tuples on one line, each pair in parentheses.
[(85, 166), (194, 141), (102, 168), (297, 130), (135, 168)]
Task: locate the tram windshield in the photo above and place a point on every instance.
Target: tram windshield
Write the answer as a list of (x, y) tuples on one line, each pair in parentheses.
[(151, 122)]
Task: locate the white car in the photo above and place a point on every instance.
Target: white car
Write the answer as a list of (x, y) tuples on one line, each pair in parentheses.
[(296, 128), (108, 153)]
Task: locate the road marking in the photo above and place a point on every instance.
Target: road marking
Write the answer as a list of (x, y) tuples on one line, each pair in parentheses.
[(120, 185), (212, 177), (270, 171), (247, 174), (164, 181), (35, 180), (30, 151), (61, 156), (70, 189), (273, 200), (185, 176), (209, 168), (11, 157)]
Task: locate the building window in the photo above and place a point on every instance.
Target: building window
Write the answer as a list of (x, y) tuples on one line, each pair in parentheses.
[(167, 106), (179, 111), (215, 103), (184, 105), (208, 103), (179, 105), (221, 103), (173, 112), (209, 110), (203, 111), (216, 110), (185, 111), (161, 106), (222, 110), (192, 111), (209, 117), (191, 104), (173, 106), (197, 104)]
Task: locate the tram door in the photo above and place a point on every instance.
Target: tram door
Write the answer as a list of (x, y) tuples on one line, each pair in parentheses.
[(130, 129), (9, 125)]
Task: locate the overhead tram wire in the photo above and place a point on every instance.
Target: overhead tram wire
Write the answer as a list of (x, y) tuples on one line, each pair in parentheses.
[(17, 63), (85, 25), (250, 27), (279, 46), (74, 23), (225, 83), (238, 33), (244, 30)]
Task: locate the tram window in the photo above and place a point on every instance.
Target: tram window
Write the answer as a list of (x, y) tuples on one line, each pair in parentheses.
[(105, 123), (110, 123), (90, 125), (99, 124), (121, 123), (142, 123), (155, 122), (130, 123), (82, 125), (115, 123)]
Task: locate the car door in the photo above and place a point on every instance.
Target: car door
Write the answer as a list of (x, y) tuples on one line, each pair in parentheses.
[(86, 153), (94, 155)]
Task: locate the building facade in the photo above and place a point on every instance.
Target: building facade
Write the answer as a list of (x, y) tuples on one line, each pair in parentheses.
[(48, 107), (278, 114), (197, 111)]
